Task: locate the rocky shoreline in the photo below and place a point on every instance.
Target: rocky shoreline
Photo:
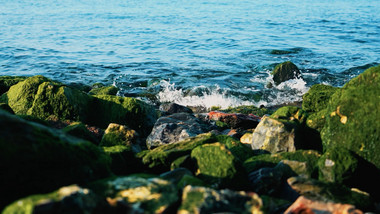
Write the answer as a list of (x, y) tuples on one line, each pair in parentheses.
[(81, 149)]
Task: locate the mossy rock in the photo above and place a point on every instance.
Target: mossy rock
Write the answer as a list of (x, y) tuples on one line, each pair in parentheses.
[(5, 107), (247, 110), (285, 71), (116, 134), (128, 111), (146, 195), (43, 98), (69, 199), (290, 114), (190, 180), (123, 160), (317, 120), (197, 199), (80, 130), (7, 81), (309, 157), (38, 159), (353, 115), (218, 166), (105, 90), (317, 98)]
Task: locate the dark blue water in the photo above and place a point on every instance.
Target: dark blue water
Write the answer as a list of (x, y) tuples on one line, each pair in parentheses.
[(198, 52)]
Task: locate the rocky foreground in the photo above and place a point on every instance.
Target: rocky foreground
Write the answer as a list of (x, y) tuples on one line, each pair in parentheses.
[(80, 149)]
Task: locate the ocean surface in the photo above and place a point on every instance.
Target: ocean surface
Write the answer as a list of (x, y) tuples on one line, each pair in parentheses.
[(198, 52)]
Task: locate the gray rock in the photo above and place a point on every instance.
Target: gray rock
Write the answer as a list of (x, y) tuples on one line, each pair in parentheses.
[(174, 128), (274, 136), (172, 108)]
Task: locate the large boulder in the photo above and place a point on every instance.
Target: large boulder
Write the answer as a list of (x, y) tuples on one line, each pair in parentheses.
[(285, 71), (317, 98), (7, 81), (43, 98), (174, 128), (206, 200), (353, 115), (69, 199), (37, 159)]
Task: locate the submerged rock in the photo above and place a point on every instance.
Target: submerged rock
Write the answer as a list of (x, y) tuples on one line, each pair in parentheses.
[(353, 115), (69, 199), (174, 128), (206, 200), (285, 71), (35, 159)]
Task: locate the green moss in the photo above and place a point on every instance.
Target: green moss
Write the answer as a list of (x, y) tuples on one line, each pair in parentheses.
[(7, 81), (221, 124), (317, 98), (317, 120), (190, 180), (34, 158), (239, 150), (310, 157), (290, 114), (353, 115), (194, 199), (248, 110), (123, 160), (285, 71), (109, 90), (218, 166), (123, 110), (80, 130)]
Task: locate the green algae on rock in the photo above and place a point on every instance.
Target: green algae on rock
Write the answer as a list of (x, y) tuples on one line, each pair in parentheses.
[(78, 129), (285, 71), (116, 134), (217, 165), (317, 98), (206, 200), (123, 160), (69, 199), (104, 90), (7, 81), (353, 115), (35, 158)]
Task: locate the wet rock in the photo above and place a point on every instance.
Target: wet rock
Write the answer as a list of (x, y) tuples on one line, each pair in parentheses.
[(301, 162), (330, 192), (123, 160), (116, 134), (174, 128), (80, 130), (317, 98), (235, 120), (172, 108), (304, 205), (69, 199), (143, 195), (353, 115), (218, 166), (207, 200), (285, 71), (104, 90), (134, 113), (35, 158), (7, 81)]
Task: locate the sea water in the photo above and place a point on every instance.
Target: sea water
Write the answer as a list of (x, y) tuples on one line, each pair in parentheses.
[(198, 52)]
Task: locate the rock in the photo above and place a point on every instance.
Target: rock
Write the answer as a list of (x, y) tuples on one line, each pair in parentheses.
[(123, 160), (174, 128), (143, 195), (285, 71), (176, 175), (248, 110), (69, 199), (317, 120), (218, 166), (235, 120), (182, 162), (43, 98), (128, 111), (7, 81), (80, 130), (246, 139), (330, 192), (306, 206), (37, 159), (172, 108), (206, 200), (301, 162), (274, 136), (5, 107), (339, 165), (353, 115), (116, 134), (317, 98), (104, 90), (190, 180)]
